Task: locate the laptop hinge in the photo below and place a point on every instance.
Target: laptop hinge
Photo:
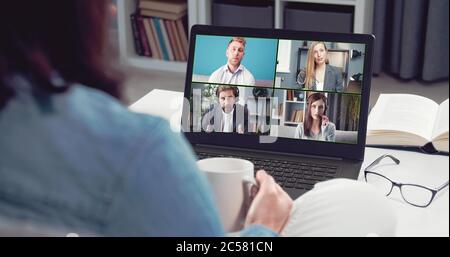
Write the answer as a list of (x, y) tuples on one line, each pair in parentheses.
[(267, 152)]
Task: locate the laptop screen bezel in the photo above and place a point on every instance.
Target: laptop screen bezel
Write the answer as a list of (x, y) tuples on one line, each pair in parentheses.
[(286, 145)]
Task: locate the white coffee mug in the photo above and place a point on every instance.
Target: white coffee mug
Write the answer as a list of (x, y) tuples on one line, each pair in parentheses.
[(231, 181)]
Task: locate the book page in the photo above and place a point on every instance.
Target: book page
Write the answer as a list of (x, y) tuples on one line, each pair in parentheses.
[(402, 112), (441, 123)]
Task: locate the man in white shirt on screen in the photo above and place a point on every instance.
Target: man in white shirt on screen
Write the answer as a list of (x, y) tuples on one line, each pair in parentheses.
[(234, 72)]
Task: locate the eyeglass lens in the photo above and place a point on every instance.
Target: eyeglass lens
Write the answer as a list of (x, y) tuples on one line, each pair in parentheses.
[(412, 194), (416, 195)]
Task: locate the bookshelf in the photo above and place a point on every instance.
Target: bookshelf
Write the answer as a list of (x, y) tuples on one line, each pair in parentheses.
[(127, 52), (290, 106)]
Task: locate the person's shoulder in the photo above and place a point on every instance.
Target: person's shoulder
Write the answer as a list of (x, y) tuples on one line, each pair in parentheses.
[(100, 112), (241, 108), (213, 108), (334, 69), (299, 130), (218, 71), (215, 76), (331, 126), (245, 69), (249, 76)]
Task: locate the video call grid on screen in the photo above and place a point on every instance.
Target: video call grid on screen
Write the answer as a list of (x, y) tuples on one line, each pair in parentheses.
[(313, 89)]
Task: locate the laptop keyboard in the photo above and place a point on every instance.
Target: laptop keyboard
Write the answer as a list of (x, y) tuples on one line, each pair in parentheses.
[(287, 174)]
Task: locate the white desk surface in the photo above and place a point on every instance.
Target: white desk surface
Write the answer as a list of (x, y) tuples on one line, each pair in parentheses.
[(427, 170)]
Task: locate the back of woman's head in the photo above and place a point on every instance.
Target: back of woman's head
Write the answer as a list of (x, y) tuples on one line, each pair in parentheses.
[(47, 37)]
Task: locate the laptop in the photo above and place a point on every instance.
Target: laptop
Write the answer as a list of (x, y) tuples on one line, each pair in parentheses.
[(294, 103)]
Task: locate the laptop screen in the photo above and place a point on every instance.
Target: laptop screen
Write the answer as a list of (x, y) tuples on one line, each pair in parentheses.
[(296, 89)]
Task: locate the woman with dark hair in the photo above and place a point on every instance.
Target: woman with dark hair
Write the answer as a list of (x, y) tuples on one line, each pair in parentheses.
[(316, 125), (73, 157)]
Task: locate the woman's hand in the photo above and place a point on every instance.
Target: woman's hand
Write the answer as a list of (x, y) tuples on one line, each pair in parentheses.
[(240, 129), (209, 128), (325, 120), (271, 205)]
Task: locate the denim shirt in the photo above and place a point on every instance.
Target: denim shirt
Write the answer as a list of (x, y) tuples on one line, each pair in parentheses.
[(83, 162)]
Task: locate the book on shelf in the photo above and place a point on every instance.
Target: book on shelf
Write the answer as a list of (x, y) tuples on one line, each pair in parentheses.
[(171, 38), (280, 110), (182, 32), (152, 39), (292, 119), (168, 6), (178, 40), (143, 37), (136, 38), (160, 38), (290, 95), (163, 15), (404, 120), (165, 38), (297, 116)]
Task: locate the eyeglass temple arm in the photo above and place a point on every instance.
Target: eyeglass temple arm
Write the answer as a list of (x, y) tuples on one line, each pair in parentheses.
[(443, 186), (397, 161)]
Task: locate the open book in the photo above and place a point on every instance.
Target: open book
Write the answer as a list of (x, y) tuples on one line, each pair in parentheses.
[(408, 120)]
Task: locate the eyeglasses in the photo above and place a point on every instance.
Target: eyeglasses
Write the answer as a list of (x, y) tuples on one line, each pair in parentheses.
[(416, 195)]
